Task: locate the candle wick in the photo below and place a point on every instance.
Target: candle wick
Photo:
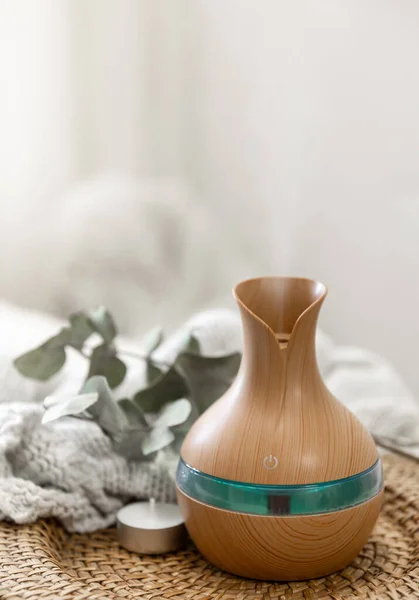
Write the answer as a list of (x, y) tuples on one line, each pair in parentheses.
[(153, 505)]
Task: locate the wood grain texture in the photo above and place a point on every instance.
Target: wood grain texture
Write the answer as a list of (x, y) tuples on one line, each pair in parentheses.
[(278, 404), (279, 548)]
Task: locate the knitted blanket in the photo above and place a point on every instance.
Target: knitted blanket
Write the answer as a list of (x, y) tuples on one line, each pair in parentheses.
[(67, 469)]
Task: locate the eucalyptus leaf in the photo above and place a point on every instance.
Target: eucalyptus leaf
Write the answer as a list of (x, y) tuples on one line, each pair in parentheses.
[(61, 339), (103, 361), (152, 340), (51, 401), (153, 372), (192, 345), (80, 330), (173, 413), (170, 386), (182, 429), (129, 444), (42, 362), (134, 415), (61, 406), (208, 378), (103, 323), (106, 410), (156, 439)]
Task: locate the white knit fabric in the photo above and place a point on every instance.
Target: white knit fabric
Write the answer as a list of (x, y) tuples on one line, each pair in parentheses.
[(67, 469)]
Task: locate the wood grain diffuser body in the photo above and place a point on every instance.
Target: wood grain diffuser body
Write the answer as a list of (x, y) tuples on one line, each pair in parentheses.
[(278, 480)]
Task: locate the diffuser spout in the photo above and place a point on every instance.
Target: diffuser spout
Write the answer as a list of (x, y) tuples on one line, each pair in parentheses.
[(279, 316), (280, 302)]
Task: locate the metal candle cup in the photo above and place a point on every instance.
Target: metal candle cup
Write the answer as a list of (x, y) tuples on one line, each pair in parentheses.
[(151, 527)]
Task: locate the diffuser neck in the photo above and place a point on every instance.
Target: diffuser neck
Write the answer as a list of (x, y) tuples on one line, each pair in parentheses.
[(279, 318)]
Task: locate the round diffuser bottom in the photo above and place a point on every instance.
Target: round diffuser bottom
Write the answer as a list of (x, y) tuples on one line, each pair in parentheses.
[(286, 548)]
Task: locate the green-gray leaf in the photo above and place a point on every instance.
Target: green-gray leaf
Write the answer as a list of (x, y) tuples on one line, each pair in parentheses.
[(106, 410), (153, 372), (192, 345), (61, 406), (80, 330), (169, 387), (61, 339), (134, 415), (103, 361), (173, 413), (152, 340), (129, 444), (208, 378), (157, 439), (103, 323), (182, 429), (43, 362)]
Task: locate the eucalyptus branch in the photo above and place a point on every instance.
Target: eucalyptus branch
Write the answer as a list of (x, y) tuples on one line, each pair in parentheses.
[(130, 354), (143, 357), (172, 397)]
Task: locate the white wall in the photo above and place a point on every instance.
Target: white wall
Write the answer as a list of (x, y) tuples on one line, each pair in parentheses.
[(308, 138)]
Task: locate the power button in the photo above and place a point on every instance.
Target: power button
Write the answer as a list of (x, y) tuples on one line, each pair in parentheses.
[(270, 462)]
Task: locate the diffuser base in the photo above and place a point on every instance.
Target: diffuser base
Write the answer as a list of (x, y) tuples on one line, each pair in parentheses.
[(279, 548)]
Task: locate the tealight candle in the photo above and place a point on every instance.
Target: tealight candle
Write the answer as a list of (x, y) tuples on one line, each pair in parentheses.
[(150, 527)]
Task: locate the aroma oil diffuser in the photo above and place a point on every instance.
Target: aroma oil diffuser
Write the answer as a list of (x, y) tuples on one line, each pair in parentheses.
[(278, 480)]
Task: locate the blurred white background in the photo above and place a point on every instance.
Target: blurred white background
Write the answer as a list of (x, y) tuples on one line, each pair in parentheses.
[(289, 132)]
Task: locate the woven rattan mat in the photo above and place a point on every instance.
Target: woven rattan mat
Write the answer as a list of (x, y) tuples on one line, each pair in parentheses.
[(44, 561)]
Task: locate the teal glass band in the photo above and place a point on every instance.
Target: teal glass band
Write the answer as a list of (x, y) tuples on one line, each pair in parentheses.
[(257, 499)]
